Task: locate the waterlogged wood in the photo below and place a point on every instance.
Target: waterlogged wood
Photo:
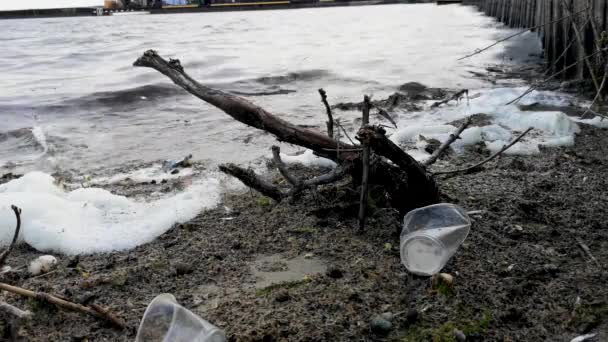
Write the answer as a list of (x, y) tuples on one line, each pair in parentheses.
[(244, 111)]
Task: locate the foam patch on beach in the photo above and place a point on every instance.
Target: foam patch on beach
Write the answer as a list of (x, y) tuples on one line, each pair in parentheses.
[(144, 175), (551, 128), (90, 220), (308, 159)]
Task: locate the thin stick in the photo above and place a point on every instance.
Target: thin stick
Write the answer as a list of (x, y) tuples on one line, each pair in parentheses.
[(5, 254), (474, 167), (478, 51), (587, 251), (533, 87), (581, 46), (106, 315), (598, 94), (330, 122), (365, 161), (276, 156), (347, 136), (453, 137)]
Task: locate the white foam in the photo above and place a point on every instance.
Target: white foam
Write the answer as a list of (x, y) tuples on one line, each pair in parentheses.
[(308, 159), (144, 175), (551, 128), (93, 220), (38, 134)]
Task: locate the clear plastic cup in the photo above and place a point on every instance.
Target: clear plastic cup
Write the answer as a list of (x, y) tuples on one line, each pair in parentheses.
[(431, 235), (167, 321)]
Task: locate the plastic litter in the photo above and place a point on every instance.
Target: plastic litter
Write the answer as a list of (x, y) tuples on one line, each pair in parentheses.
[(431, 235), (167, 321), (169, 164)]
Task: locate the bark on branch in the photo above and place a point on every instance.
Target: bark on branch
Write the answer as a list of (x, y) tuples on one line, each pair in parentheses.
[(453, 137), (244, 111), (249, 178)]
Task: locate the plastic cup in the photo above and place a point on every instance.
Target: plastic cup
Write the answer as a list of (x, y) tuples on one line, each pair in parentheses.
[(431, 235), (167, 321)]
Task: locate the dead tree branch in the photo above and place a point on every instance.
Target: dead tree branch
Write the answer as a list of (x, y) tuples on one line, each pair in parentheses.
[(244, 111), (455, 97), (330, 118), (384, 113), (453, 137), (8, 251), (476, 167), (249, 178), (421, 185), (365, 161), (276, 156), (597, 95), (103, 314)]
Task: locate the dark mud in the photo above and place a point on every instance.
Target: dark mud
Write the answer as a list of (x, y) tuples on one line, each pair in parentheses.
[(520, 276)]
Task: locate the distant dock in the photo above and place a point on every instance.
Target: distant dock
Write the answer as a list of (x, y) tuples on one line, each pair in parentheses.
[(247, 5)]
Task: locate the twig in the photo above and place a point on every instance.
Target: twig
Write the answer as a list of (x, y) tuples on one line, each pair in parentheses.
[(347, 136), (533, 87), (457, 97), (385, 115), (478, 51), (581, 46), (5, 254), (365, 161), (276, 156), (476, 166), (587, 251), (103, 314), (107, 315), (330, 122), (453, 137), (598, 94), (249, 178)]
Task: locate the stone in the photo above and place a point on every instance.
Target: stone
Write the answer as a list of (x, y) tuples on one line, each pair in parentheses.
[(182, 268), (334, 272), (381, 326)]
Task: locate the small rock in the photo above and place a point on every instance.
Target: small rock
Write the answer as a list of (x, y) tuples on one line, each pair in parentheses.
[(164, 181), (412, 316), (73, 262), (335, 273), (459, 335), (387, 316), (381, 326), (182, 268), (282, 296), (175, 171), (153, 181), (42, 264)]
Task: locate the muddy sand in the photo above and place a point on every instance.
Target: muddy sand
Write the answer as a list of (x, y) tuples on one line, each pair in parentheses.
[(297, 270)]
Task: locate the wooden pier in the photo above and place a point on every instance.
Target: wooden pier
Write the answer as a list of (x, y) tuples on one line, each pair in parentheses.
[(571, 31)]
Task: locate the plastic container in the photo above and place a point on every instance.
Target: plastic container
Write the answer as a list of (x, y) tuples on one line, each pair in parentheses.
[(431, 235), (167, 321)]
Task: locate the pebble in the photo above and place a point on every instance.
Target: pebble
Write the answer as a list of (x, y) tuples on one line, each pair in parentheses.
[(182, 268), (380, 326), (459, 335), (335, 273), (282, 296)]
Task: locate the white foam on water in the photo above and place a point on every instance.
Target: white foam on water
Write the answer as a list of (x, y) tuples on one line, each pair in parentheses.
[(38, 134), (144, 175), (308, 159), (551, 128), (90, 220)]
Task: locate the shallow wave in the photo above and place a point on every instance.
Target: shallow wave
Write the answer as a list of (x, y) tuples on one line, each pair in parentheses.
[(305, 75)]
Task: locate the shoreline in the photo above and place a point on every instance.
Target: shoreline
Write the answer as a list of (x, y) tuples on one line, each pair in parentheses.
[(91, 11), (301, 265)]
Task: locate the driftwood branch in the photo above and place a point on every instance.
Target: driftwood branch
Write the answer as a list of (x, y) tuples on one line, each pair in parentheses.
[(421, 185), (100, 312), (330, 119), (365, 162), (453, 137), (249, 178), (475, 167), (244, 111), (276, 156), (384, 113), (587, 251), (455, 97), (8, 251)]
